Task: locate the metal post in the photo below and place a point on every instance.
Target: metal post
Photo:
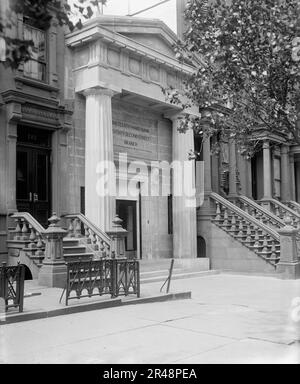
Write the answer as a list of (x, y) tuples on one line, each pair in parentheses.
[(20, 287), (138, 282), (170, 275)]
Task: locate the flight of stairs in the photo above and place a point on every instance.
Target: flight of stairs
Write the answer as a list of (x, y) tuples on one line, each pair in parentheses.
[(250, 237), (247, 230), (74, 250)]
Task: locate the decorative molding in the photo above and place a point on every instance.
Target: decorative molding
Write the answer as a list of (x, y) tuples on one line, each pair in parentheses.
[(20, 81), (14, 112), (135, 66), (99, 91), (114, 58), (154, 73)]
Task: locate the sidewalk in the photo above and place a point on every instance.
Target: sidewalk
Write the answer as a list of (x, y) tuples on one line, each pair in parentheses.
[(41, 302), (230, 319)]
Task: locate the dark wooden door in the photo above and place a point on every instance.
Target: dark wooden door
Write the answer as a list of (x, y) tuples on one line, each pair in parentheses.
[(33, 182), (254, 177), (127, 211)]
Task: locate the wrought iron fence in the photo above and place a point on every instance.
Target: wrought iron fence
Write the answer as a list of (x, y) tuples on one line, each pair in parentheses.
[(126, 277), (114, 277), (12, 286)]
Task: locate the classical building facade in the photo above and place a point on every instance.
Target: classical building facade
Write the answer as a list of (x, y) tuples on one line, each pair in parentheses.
[(87, 113)]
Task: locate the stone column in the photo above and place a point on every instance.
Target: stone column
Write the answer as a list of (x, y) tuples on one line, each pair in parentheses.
[(181, 23), (267, 171), (11, 168), (207, 166), (292, 177), (184, 206), (285, 174), (100, 178), (233, 191), (289, 265)]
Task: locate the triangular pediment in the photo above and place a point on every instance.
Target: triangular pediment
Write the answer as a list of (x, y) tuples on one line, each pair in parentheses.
[(152, 33)]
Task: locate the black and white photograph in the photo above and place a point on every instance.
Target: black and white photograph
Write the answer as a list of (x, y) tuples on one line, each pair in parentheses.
[(149, 185)]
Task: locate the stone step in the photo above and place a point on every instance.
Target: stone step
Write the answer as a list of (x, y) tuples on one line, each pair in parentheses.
[(162, 277), (72, 250), (79, 257), (70, 242)]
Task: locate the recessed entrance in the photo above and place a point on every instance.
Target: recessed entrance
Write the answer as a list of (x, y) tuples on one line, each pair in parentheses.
[(127, 211), (33, 173), (257, 176)]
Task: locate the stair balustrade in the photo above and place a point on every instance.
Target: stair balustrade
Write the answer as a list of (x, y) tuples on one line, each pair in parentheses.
[(30, 232), (264, 215), (282, 210), (293, 205), (79, 227), (253, 233)]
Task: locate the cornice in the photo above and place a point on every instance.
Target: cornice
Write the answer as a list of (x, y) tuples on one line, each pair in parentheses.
[(95, 32), (12, 95)]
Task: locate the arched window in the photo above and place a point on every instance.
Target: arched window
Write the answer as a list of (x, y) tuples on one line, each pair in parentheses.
[(201, 247)]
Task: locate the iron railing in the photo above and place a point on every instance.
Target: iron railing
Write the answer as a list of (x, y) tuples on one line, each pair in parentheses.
[(12, 286), (114, 277)]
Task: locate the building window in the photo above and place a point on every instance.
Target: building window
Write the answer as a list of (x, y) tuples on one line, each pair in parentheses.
[(277, 178), (36, 67), (170, 215)]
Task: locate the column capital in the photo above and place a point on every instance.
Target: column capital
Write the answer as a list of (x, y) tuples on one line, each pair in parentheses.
[(285, 149), (266, 144), (99, 91), (174, 116)]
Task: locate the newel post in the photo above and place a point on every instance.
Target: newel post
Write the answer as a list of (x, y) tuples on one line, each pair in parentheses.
[(53, 272), (118, 235), (289, 265)]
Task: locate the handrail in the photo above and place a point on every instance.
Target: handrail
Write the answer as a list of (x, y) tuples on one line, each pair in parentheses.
[(245, 215), (90, 225), (263, 210), (31, 221), (294, 203), (282, 206)]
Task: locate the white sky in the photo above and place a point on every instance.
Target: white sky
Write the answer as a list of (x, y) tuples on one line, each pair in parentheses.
[(166, 12)]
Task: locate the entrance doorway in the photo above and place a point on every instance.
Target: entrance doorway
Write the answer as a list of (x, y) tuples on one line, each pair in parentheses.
[(33, 173), (127, 211), (257, 176)]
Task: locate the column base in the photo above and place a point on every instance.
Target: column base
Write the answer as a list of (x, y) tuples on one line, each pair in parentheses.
[(53, 275), (289, 271), (232, 198), (265, 203)]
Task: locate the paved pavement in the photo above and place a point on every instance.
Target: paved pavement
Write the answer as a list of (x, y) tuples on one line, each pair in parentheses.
[(230, 319)]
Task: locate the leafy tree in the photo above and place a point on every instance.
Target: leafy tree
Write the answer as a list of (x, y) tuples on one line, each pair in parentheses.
[(69, 13), (248, 77)]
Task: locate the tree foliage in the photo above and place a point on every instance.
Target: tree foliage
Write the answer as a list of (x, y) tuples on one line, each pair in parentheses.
[(250, 77), (69, 13)]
